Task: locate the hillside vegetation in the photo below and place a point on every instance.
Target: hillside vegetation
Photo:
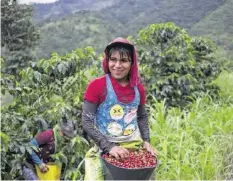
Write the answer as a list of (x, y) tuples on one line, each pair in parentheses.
[(138, 14), (124, 18), (218, 26), (189, 96), (79, 30), (194, 141), (62, 8)]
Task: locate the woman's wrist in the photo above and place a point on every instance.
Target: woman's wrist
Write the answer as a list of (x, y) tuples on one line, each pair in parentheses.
[(146, 140), (106, 146)]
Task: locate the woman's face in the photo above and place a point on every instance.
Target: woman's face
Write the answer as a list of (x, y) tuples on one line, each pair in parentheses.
[(119, 67)]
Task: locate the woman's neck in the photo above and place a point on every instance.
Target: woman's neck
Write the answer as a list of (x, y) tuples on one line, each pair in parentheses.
[(123, 82)]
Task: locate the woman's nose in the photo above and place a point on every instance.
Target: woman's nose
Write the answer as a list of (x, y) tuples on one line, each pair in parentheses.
[(118, 63)]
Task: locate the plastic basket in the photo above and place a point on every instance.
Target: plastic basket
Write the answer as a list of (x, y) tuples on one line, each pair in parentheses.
[(54, 172), (119, 173)]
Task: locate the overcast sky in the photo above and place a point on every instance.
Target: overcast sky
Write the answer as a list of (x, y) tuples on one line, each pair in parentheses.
[(37, 1)]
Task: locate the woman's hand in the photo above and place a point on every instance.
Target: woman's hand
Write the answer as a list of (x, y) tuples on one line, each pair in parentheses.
[(149, 148), (119, 152), (43, 167)]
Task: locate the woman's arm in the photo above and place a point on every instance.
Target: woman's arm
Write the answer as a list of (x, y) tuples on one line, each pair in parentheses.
[(143, 123), (88, 118), (34, 156), (42, 138)]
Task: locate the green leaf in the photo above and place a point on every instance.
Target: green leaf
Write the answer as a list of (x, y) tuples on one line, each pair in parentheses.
[(22, 149)]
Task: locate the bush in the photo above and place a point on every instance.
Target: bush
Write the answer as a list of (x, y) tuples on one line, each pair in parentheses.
[(47, 92), (174, 65)]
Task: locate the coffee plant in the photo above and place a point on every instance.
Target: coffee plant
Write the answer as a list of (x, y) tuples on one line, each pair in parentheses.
[(47, 92), (174, 65), (19, 35)]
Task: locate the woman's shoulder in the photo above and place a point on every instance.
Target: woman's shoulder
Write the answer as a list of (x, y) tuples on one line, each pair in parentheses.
[(95, 89), (99, 81), (141, 87)]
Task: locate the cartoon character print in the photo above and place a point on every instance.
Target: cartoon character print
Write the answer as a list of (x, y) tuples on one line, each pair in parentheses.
[(116, 112), (130, 115), (115, 129), (129, 129)]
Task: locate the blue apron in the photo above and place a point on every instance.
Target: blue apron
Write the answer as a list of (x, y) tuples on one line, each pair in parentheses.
[(117, 120)]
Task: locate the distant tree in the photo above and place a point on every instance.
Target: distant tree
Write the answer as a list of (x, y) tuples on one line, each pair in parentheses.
[(176, 66), (18, 35)]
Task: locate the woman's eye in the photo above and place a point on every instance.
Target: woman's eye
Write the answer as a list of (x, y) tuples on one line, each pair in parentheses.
[(125, 60), (122, 60), (113, 60)]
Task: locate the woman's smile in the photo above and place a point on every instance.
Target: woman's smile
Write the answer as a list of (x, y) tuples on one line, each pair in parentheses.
[(119, 67)]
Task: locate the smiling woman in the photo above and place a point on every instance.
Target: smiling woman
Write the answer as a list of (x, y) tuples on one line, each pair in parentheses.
[(119, 64), (114, 111)]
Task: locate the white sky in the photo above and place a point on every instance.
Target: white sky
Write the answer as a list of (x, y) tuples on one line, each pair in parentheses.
[(36, 1)]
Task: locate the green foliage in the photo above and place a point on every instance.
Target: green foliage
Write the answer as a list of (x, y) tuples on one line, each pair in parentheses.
[(79, 30), (218, 26), (18, 35), (194, 144), (137, 14), (174, 65), (4, 141), (47, 91), (45, 11), (224, 80), (106, 20)]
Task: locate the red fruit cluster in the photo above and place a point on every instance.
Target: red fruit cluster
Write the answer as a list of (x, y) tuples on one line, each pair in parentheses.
[(136, 159)]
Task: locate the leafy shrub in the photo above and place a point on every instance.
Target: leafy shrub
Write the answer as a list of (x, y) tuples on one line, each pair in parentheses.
[(174, 65), (48, 91)]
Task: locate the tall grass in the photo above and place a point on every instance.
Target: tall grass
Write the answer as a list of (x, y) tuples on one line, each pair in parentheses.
[(194, 144), (225, 82)]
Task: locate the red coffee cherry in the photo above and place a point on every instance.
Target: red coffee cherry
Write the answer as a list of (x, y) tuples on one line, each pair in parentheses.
[(136, 159)]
